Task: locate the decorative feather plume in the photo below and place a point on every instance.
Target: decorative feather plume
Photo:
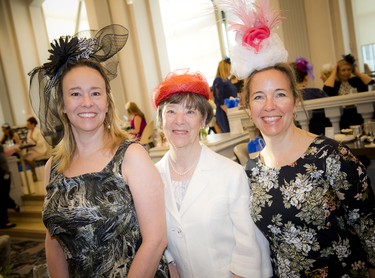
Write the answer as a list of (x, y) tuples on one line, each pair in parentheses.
[(256, 46), (249, 14)]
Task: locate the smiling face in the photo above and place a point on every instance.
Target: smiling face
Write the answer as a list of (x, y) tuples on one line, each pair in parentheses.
[(272, 102), (181, 124), (344, 71), (85, 99)]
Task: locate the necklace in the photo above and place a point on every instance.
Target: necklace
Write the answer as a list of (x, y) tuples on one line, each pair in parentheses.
[(179, 173)]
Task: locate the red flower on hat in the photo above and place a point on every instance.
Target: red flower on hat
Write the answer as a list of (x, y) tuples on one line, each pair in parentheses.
[(255, 35)]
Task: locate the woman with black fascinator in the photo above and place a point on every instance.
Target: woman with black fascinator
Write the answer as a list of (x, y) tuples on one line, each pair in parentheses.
[(104, 214), (346, 78)]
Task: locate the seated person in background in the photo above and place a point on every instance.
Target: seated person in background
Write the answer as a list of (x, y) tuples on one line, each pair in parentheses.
[(303, 70), (345, 77), (40, 149), (138, 120), (325, 72), (9, 135)]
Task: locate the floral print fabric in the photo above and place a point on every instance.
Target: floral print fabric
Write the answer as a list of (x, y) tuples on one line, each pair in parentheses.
[(318, 213), (94, 219)]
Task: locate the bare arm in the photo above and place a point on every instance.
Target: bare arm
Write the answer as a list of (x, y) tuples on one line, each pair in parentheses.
[(330, 82), (147, 190), (16, 139), (56, 262), (225, 108), (363, 76)]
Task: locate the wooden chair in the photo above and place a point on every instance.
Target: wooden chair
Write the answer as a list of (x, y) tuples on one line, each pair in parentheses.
[(147, 136)]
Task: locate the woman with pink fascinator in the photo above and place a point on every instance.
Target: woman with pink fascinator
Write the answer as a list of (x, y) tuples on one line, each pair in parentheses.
[(310, 196)]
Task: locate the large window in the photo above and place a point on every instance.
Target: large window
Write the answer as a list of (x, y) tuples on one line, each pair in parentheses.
[(368, 52), (191, 35), (65, 17)]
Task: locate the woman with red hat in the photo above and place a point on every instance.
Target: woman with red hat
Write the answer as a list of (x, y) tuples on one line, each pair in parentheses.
[(209, 229)]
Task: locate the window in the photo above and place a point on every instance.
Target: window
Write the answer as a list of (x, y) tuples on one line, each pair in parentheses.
[(65, 17), (191, 35)]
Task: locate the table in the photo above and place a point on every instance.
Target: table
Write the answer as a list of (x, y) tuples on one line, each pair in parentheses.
[(222, 143), (358, 148)]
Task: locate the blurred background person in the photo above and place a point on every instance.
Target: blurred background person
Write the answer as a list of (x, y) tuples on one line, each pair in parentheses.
[(223, 88), (137, 120), (11, 138), (304, 72), (346, 79), (34, 137), (5, 200), (9, 135)]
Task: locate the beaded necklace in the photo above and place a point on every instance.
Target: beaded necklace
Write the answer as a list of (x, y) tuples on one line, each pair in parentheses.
[(179, 173)]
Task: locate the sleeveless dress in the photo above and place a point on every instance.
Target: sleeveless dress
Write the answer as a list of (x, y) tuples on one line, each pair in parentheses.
[(93, 218)]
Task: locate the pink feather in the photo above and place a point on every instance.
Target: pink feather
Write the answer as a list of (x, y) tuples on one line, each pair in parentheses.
[(249, 14)]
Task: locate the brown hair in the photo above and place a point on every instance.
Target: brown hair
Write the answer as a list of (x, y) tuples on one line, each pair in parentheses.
[(191, 100), (132, 108)]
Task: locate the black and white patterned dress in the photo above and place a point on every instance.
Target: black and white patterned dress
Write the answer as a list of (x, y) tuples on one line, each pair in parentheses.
[(93, 217), (317, 213)]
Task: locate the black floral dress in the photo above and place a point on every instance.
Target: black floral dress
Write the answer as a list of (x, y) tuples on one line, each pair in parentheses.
[(93, 217), (318, 213)]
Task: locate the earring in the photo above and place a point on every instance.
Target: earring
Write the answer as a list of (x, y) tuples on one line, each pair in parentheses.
[(295, 115)]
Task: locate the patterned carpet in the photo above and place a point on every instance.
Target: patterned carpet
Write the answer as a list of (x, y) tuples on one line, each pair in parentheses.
[(25, 255)]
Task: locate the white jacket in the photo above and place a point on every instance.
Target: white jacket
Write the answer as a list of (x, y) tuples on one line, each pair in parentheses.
[(213, 234)]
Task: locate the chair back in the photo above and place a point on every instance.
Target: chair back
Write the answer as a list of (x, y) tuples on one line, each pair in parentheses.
[(147, 134), (240, 151)]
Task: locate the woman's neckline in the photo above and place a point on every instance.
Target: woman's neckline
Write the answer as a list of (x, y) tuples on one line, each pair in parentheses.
[(261, 159)]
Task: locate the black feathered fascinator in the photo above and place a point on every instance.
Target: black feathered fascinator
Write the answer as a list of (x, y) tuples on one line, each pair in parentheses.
[(100, 46), (350, 59)]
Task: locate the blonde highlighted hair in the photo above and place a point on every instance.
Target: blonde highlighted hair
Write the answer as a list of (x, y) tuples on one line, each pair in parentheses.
[(63, 152)]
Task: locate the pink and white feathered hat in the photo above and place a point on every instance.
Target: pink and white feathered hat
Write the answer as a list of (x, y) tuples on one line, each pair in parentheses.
[(256, 46)]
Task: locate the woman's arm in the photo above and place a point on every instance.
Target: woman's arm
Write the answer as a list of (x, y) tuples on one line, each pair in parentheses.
[(56, 262), (330, 82), (147, 190), (366, 79), (16, 138)]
